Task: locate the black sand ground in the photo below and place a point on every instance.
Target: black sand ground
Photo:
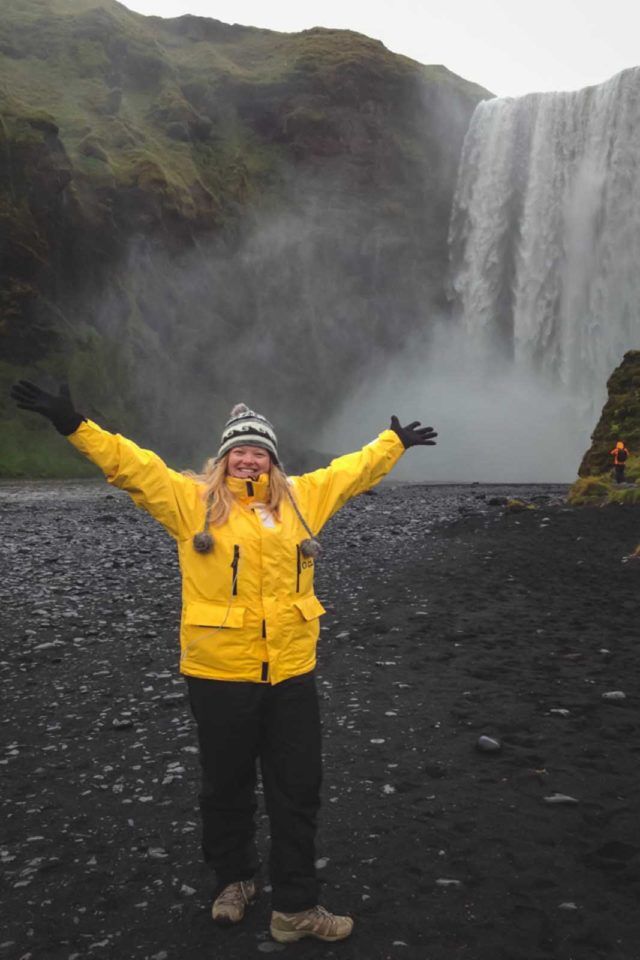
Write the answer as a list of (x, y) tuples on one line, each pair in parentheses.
[(448, 619)]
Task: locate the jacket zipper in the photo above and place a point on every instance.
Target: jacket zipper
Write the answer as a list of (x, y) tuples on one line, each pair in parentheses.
[(298, 568), (234, 567)]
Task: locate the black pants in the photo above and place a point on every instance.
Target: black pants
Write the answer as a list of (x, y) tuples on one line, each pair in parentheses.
[(618, 469), (239, 723)]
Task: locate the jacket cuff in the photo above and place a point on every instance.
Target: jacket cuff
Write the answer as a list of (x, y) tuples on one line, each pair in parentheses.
[(69, 425)]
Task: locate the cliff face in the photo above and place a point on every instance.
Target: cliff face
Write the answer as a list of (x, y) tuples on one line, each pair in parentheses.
[(188, 207), (619, 420), (620, 417)]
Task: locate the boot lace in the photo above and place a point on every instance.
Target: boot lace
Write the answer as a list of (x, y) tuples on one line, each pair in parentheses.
[(233, 894)]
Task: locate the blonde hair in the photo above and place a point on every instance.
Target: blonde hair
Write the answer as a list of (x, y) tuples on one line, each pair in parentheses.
[(218, 497)]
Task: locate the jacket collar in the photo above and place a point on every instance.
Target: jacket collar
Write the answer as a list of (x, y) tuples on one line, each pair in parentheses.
[(249, 489)]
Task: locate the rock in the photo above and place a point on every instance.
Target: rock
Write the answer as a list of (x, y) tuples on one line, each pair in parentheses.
[(444, 882), (157, 853), (614, 695), (560, 798), (488, 745), (516, 505)]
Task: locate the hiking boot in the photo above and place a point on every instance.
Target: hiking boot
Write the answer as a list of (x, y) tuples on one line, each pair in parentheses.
[(230, 905), (316, 922)]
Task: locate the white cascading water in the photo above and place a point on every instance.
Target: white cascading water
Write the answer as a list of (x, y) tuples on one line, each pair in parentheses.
[(545, 255), (545, 232)]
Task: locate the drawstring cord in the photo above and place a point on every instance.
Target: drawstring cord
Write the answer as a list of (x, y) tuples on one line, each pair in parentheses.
[(310, 547), (203, 541)]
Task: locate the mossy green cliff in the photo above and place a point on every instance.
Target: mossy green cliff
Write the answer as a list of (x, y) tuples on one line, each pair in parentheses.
[(620, 420), (188, 206)]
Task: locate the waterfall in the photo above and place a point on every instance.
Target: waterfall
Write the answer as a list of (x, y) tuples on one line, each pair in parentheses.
[(545, 273), (545, 233)]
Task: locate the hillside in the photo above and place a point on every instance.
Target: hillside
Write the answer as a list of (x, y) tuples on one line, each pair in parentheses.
[(619, 420), (193, 213)]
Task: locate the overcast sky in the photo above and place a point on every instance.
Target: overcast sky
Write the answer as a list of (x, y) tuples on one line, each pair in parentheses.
[(508, 46)]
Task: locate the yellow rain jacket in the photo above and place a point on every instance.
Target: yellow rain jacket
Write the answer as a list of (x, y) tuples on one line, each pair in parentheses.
[(249, 611)]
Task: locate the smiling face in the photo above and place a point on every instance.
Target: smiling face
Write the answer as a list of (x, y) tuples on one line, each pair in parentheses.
[(247, 463)]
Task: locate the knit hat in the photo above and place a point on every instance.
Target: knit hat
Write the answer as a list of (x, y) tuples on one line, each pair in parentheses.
[(246, 428)]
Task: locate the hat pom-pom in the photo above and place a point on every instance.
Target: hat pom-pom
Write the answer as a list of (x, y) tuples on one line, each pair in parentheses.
[(310, 548), (239, 409), (203, 542)]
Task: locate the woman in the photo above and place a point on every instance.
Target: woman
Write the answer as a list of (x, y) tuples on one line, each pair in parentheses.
[(250, 622)]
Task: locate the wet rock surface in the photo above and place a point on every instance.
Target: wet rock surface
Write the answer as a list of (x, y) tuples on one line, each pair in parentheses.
[(449, 618)]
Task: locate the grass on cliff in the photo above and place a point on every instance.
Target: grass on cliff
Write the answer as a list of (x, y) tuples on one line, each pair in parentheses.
[(600, 489), (67, 65)]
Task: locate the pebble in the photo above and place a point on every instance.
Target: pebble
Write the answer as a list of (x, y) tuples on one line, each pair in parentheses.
[(560, 798), (157, 853), (121, 724), (444, 882), (270, 947), (614, 695), (488, 745), (567, 906)]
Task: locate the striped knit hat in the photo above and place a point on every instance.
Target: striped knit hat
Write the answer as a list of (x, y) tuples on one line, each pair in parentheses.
[(246, 428)]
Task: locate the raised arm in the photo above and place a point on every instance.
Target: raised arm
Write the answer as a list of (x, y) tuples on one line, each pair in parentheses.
[(321, 493), (167, 495)]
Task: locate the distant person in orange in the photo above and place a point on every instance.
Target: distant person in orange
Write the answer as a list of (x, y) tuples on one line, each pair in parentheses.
[(619, 454)]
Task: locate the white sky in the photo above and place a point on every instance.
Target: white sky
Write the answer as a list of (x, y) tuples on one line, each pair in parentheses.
[(508, 46)]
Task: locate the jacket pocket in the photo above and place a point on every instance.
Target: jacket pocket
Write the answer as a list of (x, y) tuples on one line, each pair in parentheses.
[(310, 608), (201, 614)]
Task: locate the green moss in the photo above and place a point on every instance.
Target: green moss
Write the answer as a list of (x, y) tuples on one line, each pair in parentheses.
[(516, 505), (624, 495), (632, 468), (590, 490)]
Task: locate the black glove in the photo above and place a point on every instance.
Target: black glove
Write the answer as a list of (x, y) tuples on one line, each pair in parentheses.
[(57, 409), (413, 435)]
